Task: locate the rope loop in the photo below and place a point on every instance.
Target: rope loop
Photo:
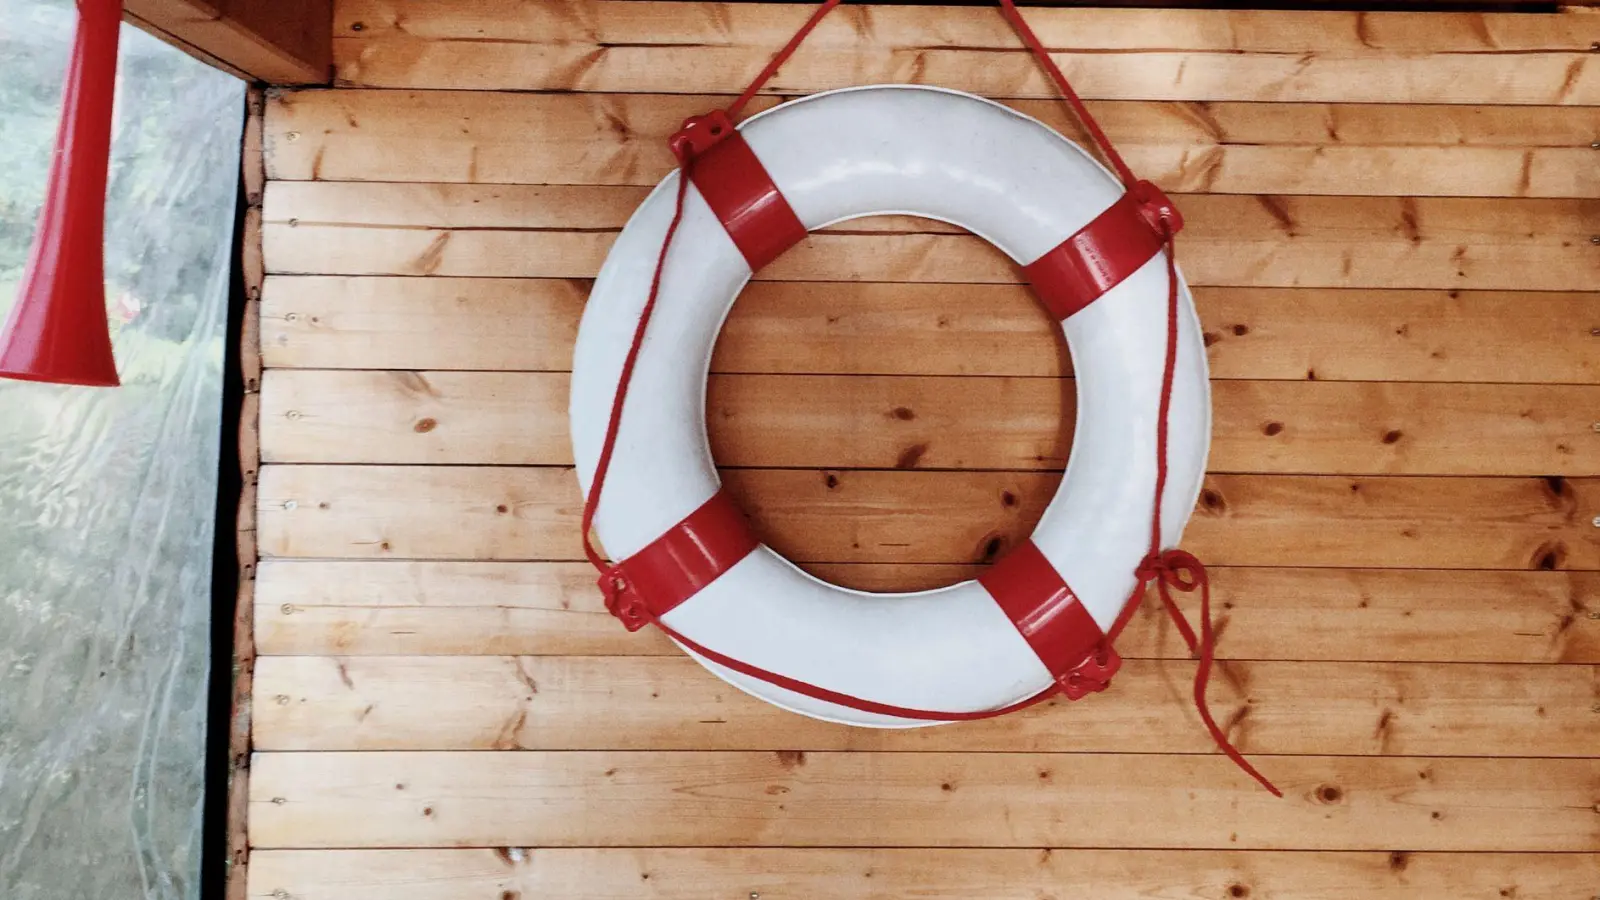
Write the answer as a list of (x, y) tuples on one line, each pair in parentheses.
[(1178, 569)]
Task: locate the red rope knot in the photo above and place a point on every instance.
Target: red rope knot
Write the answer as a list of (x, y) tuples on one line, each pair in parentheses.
[(622, 601), (1179, 569)]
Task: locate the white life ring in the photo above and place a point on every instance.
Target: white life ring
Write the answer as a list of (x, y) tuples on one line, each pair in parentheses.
[(841, 155)]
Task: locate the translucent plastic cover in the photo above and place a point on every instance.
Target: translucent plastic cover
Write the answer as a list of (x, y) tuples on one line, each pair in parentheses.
[(107, 496)]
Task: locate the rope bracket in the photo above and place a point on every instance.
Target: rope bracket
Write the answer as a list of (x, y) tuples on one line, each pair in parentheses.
[(1091, 676), (700, 133), (1157, 209), (622, 601)]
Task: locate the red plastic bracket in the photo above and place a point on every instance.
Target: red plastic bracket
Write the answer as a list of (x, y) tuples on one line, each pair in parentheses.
[(1080, 269), (676, 565), (738, 189), (1052, 620)]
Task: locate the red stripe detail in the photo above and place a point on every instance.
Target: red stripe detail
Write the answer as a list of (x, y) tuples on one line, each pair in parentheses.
[(676, 565), (1080, 269), (1052, 619), (738, 189)]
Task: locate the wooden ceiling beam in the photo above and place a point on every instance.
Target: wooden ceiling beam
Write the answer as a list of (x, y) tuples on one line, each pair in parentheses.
[(272, 41)]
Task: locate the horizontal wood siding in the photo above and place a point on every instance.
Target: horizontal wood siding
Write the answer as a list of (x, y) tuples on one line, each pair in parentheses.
[(885, 874), (1392, 238)]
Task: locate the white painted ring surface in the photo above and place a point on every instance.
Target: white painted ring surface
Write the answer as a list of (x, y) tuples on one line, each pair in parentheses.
[(840, 155)]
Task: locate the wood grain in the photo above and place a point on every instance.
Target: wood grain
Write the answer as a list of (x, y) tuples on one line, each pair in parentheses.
[(332, 322), (463, 512), (671, 703), (274, 41), (1229, 148), (1128, 54), (732, 24), (817, 874), (656, 798), (351, 608), (1246, 241), (885, 422), (1390, 221)]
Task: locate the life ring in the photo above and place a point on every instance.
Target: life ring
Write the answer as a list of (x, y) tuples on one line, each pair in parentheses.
[(1036, 617)]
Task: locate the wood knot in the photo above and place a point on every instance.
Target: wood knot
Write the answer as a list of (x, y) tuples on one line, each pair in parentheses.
[(1272, 429), (992, 548), (1550, 555), (1329, 794), (910, 456), (1238, 890), (424, 426)]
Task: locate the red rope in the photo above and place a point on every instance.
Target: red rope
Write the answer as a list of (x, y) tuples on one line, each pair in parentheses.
[(621, 608), (1177, 569), (779, 58), (1008, 8), (591, 503), (1168, 570)]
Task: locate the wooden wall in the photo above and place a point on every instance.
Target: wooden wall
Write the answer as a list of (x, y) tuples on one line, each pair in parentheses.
[(1395, 241)]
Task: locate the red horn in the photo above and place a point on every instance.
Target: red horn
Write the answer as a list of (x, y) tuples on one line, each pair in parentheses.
[(57, 332)]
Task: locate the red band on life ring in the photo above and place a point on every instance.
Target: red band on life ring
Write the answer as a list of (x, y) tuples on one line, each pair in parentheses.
[(1080, 269), (676, 565), (1061, 632), (738, 189)]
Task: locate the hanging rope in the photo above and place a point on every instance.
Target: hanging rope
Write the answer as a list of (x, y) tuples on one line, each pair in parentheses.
[(1176, 569), (1169, 570)]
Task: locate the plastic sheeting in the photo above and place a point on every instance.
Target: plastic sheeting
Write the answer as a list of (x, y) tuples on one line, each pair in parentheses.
[(107, 497)]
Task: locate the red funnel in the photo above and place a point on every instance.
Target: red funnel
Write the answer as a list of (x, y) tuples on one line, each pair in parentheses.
[(57, 331)]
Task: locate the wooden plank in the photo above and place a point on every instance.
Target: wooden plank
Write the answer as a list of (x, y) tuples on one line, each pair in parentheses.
[(820, 874), (619, 799), (243, 648), (492, 207), (461, 512), (884, 422), (275, 41), (731, 24), (1230, 148), (549, 703), (387, 323), (331, 322), (313, 607), (1190, 55), (522, 231)]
